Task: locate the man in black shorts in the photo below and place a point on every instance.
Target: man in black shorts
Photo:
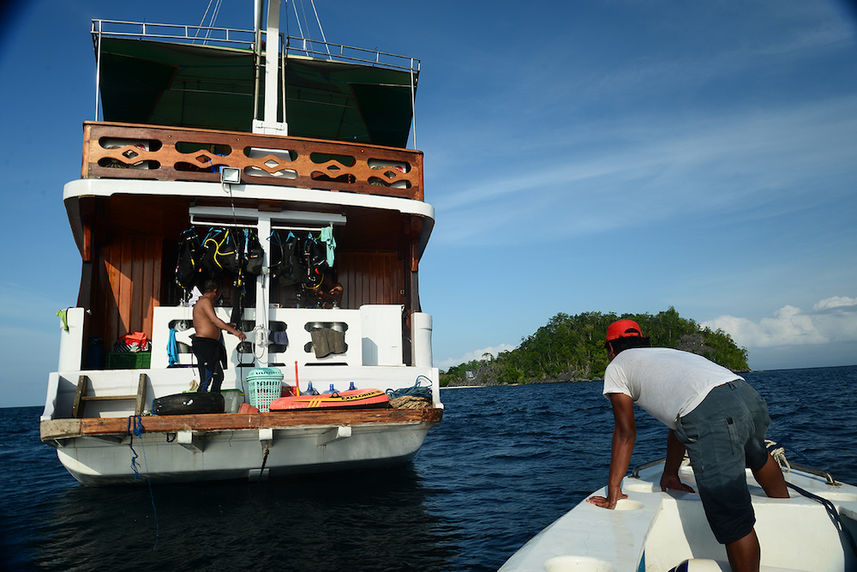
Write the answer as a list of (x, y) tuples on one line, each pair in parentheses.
[(712, 413), (206, 343)]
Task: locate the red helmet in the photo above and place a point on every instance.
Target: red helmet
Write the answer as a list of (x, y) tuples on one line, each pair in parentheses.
[(623, 329)]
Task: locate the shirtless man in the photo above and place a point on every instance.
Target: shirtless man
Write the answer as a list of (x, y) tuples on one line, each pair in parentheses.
[(207, 347)]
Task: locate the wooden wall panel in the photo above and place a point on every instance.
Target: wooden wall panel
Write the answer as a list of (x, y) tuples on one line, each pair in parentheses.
[(128, 287), (370, 278)]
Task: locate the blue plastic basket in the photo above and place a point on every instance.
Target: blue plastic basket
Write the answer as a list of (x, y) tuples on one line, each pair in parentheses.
[(264, 385)]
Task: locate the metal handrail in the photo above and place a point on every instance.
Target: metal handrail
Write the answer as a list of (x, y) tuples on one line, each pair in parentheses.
[(328, 50), (817, 472), (187, 33), (180, 32), (636, 472)]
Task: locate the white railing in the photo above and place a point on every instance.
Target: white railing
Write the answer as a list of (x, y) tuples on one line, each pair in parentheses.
[(235, 37)]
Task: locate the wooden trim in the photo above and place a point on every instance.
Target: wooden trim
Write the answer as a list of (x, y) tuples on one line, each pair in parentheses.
[(141, 394), (71, 428), (86, 242), (77, 406), (163, 161), (87, 134)]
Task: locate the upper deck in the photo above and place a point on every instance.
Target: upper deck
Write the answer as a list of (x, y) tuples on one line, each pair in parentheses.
[(163, 153), (179, 104), (217, 78), (188, 143)]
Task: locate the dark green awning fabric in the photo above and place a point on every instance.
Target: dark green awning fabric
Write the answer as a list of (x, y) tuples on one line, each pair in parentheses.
[(211, 87)]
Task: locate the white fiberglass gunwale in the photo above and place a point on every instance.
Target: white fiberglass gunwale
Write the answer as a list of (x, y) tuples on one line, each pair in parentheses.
[(654, 530)]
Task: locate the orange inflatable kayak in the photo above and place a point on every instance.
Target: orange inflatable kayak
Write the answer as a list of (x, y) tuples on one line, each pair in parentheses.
[(341, 399)]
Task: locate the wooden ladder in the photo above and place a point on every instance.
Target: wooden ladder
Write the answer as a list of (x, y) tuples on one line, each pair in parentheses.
[(80, 397)]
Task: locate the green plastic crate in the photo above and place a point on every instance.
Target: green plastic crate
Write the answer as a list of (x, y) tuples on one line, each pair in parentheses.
[(129, 360)]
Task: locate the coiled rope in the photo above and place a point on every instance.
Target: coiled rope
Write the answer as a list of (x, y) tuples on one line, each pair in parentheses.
[(418, 389), (418, 396)]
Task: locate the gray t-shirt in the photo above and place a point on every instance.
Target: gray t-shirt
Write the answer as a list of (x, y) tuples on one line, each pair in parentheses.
[(665, 382)]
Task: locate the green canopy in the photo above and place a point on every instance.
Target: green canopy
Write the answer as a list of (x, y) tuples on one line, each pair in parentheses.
[(211, 87)]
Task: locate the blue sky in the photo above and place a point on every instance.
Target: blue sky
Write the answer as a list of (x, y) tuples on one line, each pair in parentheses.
[(582, 156)]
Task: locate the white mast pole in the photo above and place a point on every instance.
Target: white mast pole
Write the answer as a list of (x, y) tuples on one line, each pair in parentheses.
[(98, 71), (269, 123)]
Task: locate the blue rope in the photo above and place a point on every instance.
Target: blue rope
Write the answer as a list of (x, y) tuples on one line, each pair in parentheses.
[(135, 427), (418, 389), (137, 430), (831, 512)]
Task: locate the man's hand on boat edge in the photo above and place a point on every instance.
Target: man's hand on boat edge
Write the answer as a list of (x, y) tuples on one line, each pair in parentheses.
[(614, 496), (668, 482), (672, 482)]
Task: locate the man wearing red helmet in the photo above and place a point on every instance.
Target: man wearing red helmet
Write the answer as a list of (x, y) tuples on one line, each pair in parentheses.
[(712, 413)]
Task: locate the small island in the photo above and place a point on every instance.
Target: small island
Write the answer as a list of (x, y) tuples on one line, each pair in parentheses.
[(571, 348)]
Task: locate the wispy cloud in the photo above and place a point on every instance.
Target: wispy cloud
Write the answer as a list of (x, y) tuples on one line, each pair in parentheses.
[(661, 166), (473, 355), (836, 303), (831, 320)]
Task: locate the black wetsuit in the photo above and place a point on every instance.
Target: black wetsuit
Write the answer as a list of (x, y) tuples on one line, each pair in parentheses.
[(211, 357)]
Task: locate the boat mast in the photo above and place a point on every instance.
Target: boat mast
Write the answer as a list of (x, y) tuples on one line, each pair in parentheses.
[(269, 124)]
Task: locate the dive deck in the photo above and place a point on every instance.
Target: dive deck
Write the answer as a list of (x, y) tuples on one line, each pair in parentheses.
[(60, 429)]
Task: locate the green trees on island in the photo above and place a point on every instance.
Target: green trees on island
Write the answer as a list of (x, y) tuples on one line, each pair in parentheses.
[(571, 348)]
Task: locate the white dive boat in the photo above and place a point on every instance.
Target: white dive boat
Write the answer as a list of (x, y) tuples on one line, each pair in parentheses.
[(282, 144), (814, 530)]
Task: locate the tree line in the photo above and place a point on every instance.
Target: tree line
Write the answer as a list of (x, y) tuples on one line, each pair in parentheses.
[(571, 348)]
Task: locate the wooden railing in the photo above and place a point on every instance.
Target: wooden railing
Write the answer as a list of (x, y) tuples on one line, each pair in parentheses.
[(125, 151)]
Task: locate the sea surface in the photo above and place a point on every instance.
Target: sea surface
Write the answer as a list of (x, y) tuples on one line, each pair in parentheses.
[(504, 463)]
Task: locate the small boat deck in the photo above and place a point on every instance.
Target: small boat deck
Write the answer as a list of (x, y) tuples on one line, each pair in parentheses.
[(655, 530)]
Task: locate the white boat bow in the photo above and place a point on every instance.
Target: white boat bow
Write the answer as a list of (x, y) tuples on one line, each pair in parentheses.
[(654, 530)]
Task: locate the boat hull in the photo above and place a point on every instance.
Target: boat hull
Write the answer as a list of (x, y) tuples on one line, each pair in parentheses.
[(655, 530), (235, 446)]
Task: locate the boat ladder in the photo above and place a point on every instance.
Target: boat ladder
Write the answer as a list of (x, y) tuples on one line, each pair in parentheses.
[(81, 397)]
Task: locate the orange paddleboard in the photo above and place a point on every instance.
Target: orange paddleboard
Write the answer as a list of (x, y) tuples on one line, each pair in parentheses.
[(342, 399)]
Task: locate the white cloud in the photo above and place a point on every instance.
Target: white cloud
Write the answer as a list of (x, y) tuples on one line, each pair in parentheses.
[(791, 326), (836, 302), (473, 355)]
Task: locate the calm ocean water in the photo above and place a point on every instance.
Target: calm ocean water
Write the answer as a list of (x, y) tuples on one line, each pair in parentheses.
[(504, 463)]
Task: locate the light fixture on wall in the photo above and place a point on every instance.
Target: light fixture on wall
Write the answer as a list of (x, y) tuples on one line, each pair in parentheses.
[(230, 175)]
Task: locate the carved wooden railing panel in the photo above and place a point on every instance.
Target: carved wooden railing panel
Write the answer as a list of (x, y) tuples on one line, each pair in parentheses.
[(125, 151)]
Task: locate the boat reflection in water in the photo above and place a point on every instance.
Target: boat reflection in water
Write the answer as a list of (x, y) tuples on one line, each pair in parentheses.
[(370, 520)]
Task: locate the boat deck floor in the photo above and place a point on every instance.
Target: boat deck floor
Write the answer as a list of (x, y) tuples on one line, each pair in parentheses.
[(71, 428)]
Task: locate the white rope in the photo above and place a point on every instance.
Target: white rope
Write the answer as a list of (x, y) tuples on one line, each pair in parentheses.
[(298, 19), (413, 107), (779, 455), (306, 24), (214, 16), (323, 39), (202, 21)]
